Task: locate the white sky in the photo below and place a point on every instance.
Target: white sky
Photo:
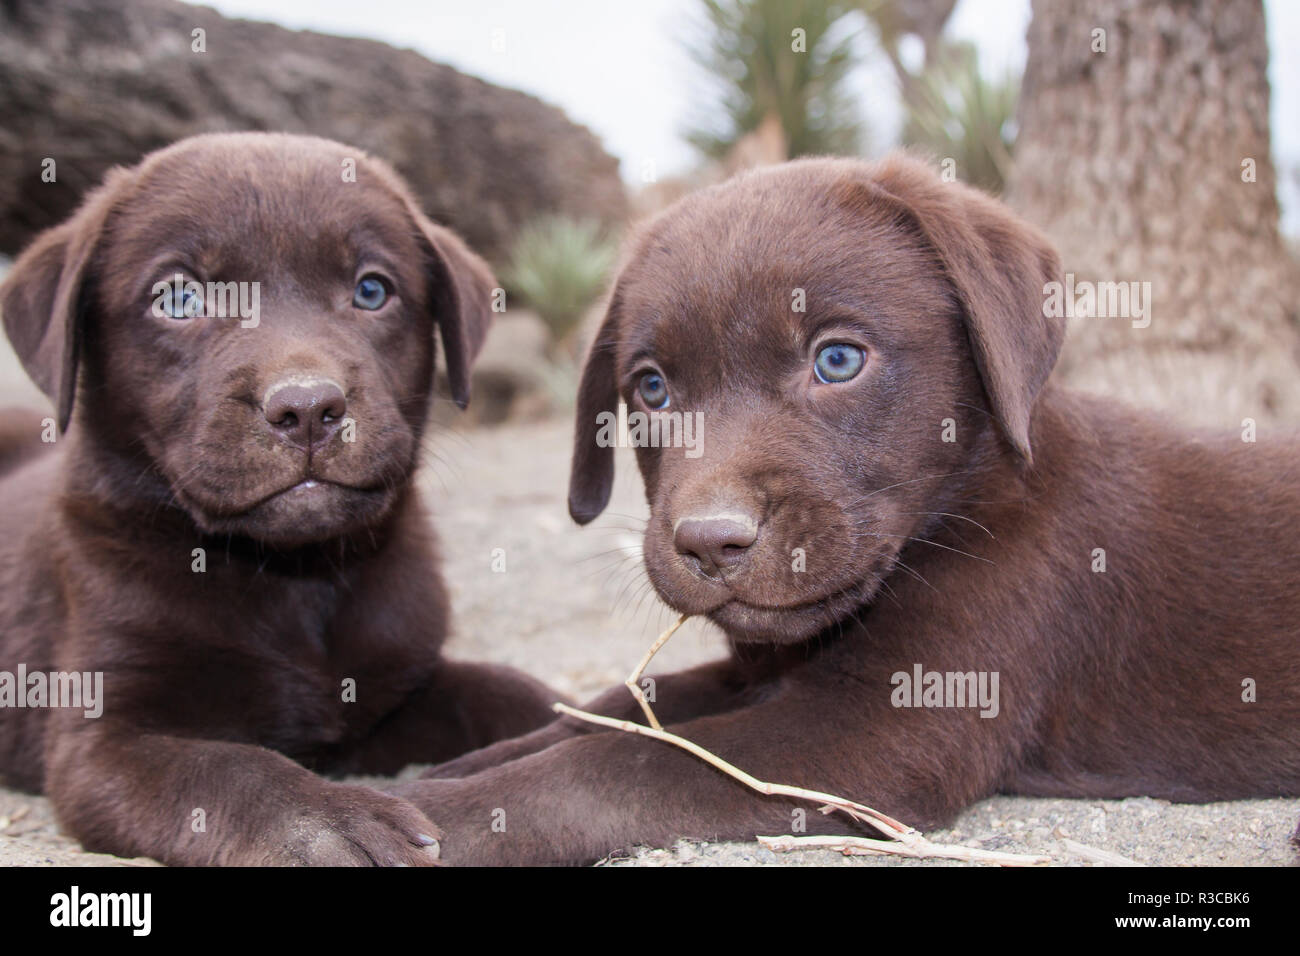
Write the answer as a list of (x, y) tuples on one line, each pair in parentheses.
[(618, 67)]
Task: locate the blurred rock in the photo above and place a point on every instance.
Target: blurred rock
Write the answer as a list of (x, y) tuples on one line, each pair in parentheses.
[(93, 84)]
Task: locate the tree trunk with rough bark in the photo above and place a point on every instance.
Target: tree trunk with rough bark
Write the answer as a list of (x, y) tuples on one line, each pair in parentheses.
[(1144, 153)]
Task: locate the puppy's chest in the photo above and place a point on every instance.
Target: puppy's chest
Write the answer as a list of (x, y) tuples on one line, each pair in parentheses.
[(335, 640), (296, 665)]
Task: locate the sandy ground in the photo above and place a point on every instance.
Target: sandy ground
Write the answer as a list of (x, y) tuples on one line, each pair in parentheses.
[(573, 607)]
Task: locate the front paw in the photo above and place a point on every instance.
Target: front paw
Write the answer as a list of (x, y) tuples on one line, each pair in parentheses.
[(473, 821), (351, 825)]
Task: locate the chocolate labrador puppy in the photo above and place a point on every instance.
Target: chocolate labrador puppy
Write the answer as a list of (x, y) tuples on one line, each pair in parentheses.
[(940, 577), (223, 553)]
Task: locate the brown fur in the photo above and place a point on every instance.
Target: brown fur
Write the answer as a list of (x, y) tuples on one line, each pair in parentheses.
[(224, 689), (970, 555)]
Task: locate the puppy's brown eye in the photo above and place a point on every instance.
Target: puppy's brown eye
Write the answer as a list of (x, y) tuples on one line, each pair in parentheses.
[(654, 390), (370, 294), (838, 363)]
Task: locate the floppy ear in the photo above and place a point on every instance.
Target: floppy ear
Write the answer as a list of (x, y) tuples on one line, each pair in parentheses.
[(591, 477), (999, 265), (462, 286), (42, 300)]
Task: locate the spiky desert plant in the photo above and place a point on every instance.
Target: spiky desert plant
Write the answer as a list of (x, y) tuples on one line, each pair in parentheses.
[(559, 266), (954, 112), (753, 73)]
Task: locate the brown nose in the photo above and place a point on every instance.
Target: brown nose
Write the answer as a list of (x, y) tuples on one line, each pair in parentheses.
[(305, 414), (715, 542)]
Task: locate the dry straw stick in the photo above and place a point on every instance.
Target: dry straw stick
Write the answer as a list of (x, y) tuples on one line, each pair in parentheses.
[(633, 679), (906, 840)]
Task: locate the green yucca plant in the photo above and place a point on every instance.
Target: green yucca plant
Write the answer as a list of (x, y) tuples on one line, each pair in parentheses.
[(558, 266), (752, 73), (953, 111)]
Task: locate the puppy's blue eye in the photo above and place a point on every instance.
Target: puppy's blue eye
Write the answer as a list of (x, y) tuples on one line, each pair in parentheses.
[(186, 305), (838, 363), (654, 390), (370, 293)]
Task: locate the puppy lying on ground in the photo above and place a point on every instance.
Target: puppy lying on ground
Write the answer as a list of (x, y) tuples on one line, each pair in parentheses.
[(940, 577), (229, 531)]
